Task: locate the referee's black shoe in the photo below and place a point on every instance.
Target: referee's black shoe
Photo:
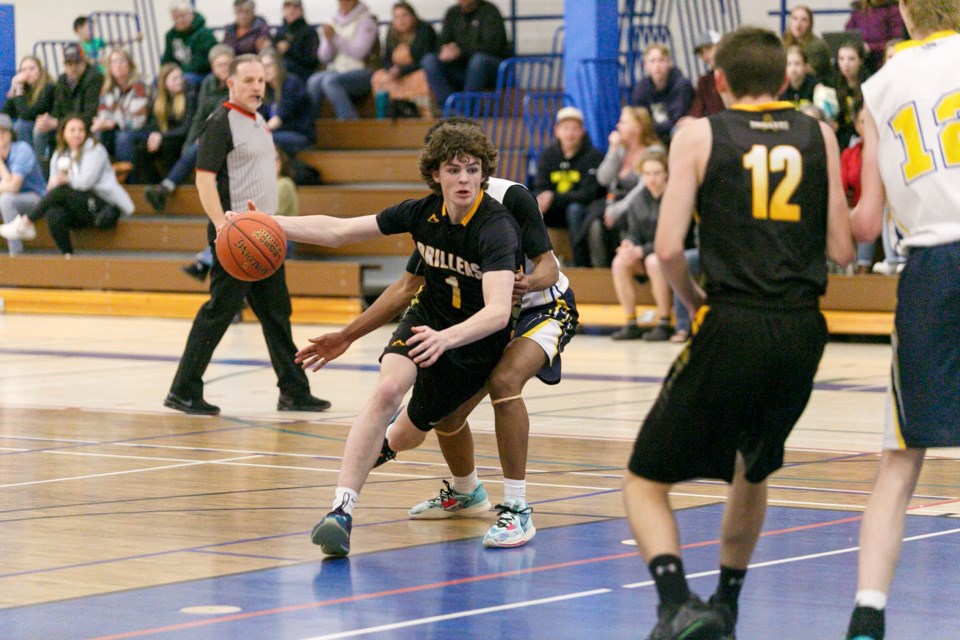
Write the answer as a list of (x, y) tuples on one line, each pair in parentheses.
[(301, 403), (197, 406)]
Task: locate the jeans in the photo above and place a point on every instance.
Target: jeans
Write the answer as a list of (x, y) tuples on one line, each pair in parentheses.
[(479, 73), (864, 254), (340, 89), (681, 315), (576, 214), (292, 142), (17, 204), (186, 164), (24, 130)]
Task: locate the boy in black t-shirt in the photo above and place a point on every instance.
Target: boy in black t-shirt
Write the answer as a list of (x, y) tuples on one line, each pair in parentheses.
[(454, 333)]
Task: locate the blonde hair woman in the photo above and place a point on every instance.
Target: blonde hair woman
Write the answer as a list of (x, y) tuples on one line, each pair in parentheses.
[(30, 94), (166, 130), (123, 111)]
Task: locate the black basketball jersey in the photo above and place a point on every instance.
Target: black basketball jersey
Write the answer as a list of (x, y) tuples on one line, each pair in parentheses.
[(763, 207), (455, 256)]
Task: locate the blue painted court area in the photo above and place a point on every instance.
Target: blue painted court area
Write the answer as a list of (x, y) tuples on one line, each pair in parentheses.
[(577, 581)]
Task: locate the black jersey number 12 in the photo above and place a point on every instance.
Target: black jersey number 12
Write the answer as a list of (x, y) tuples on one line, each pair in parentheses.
[(761, 162)]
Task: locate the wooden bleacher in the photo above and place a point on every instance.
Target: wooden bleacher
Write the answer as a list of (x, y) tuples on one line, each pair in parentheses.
[(366, 166)]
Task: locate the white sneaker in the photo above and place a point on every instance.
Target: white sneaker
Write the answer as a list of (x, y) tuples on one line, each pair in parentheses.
[(18, 229), (885, 268), (513, 528)]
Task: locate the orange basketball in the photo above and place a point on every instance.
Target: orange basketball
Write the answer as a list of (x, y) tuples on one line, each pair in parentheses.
[(251, 246)]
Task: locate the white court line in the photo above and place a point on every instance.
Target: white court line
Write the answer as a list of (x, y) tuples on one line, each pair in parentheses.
[(114, 473), (39, 439), (810, 556), (460, 614), (13, 449)]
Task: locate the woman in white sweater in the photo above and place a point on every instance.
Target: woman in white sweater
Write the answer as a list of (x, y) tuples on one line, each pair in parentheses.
[(82, 191)]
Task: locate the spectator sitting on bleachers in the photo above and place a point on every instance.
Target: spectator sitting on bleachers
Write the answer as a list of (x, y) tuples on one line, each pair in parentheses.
[(879, 21), (170, 117), (188, 42), (636, 215), (473, 42), (286, 107), (800, 32), (297, 41), (851, 165), (663, 90), (124, 107), (213, 93), (30, 94), (617, 175), (567, 179), (851, 73), (706, 98), (21, 181), (349, 47), (800, 84), (82, 191), (402, 78), (249, 33), (77, 91)]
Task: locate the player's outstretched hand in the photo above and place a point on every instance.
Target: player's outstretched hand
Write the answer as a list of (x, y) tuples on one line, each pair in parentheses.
[(430, 345), (322, 350)]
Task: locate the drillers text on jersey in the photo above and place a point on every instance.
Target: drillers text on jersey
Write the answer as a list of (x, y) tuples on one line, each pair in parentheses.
[(442, 260)]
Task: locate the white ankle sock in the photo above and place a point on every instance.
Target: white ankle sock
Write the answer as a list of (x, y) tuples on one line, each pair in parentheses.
[(871, 598), (515, 489), (346, 499), (467, 484)]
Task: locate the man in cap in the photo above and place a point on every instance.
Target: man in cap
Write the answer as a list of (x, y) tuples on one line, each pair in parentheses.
[(567, 178), (77, 91)]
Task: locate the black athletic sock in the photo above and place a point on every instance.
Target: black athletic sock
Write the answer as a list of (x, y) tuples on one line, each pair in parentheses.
[(729, 586), (868, 622), (386, 454), (667, 572)]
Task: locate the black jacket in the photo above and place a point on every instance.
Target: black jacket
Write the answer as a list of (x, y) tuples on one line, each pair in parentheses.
[(19, 108), (81, 99), (570, 179), (481, 30), (301, 57)]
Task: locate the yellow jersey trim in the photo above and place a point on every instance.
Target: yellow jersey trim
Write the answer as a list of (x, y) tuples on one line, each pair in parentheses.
[(776, 105), (910, 44), (469, 216)]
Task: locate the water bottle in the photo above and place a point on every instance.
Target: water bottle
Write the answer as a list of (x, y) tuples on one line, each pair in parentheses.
[(381, 100)]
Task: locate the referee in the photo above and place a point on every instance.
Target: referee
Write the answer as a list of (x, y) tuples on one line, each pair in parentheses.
[(235, 170)]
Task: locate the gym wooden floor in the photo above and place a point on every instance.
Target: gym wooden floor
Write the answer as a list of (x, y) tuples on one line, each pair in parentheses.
[(107, 494)]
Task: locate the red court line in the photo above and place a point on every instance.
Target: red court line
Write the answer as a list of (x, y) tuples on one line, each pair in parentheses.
[(450, 583)]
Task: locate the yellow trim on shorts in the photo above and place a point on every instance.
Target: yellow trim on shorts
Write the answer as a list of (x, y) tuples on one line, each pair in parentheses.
[(699, 318)]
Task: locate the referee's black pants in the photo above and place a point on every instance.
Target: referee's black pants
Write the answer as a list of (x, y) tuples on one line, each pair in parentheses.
[(270, 301)]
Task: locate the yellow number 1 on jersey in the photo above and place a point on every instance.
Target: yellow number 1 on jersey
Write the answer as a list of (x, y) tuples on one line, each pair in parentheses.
[(919, 159), (761, 161)]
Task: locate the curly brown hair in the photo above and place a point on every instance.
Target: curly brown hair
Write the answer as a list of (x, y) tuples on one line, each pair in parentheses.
[(454, 141)]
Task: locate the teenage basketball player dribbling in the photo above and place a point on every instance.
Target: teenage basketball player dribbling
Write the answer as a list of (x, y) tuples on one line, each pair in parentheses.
[(765, 181), (912, 158)]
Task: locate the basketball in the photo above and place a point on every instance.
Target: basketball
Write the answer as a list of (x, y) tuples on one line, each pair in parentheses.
[(251, 246)]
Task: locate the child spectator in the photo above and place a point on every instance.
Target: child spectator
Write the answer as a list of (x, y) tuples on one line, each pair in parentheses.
[(124, 107), (663, 90), (30, 94), (567, 179), (170, 117), (851, 163), (92, 46), (800, 84), (800, 32), (879, 21), (82, 191), (401, 77)]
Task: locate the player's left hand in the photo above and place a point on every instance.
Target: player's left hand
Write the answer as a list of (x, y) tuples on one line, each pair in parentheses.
[(430, 346), (520, 286)]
